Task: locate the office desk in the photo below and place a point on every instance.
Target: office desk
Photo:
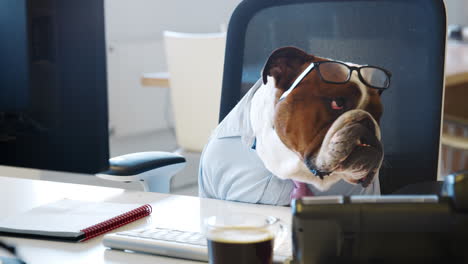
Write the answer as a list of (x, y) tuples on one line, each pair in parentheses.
[(171, 211), (155, 79)]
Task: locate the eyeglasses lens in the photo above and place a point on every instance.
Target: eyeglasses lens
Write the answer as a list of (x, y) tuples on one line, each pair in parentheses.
[(334, 72), (375, 77)]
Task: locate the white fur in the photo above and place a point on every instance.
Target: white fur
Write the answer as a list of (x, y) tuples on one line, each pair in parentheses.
[(278, 158)]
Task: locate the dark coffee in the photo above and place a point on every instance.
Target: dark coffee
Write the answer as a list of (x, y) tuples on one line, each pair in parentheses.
[(240, 245)]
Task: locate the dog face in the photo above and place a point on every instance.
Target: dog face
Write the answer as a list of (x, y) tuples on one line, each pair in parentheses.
[(320, 126)]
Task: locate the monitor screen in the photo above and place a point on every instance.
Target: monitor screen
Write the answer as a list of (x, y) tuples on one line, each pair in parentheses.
[(14, 70), (53, 96)]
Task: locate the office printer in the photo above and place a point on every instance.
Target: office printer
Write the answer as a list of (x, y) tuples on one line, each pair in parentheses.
[(384, 229)]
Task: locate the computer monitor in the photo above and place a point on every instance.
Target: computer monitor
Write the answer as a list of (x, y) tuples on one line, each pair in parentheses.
[(53, 85)]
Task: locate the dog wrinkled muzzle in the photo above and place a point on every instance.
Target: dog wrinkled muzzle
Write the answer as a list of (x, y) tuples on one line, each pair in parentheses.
[(351, 147)]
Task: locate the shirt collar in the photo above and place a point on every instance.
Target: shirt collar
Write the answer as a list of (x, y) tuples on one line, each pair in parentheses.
[(237, 122)]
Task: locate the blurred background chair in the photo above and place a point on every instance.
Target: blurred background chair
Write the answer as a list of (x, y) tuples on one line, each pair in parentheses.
[(195, 63), (412, 47)]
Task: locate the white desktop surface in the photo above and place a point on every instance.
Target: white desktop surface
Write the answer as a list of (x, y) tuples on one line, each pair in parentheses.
[(171, 211)]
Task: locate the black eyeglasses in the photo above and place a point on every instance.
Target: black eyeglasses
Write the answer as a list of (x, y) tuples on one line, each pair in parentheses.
[(336, 72), (339, 73)]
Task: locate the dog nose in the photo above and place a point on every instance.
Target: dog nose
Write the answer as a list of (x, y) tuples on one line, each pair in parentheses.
[(368, 138), (368, 123)]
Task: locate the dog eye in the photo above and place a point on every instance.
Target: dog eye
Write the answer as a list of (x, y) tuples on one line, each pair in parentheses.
[(337, 103)]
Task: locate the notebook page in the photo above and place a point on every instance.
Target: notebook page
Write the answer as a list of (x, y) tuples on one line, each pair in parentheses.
[(66, 216)]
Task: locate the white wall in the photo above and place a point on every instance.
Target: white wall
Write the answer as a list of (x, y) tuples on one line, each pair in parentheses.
[(457, 12), (133, 108), (143, 19), (134, 38)]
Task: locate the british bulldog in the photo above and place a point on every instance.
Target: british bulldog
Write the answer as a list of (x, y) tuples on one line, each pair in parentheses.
[(309, 126)]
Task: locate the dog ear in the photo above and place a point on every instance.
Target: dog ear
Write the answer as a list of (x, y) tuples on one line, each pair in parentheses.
[(284, 64)]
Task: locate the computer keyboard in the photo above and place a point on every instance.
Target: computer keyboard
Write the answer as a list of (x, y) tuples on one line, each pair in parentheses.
[(175, 243)]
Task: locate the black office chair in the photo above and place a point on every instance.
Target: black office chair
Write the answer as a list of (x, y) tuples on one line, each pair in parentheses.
[(405, 36)]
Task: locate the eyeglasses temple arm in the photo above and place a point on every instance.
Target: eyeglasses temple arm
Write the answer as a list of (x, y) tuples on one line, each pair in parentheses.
[(298, 80)]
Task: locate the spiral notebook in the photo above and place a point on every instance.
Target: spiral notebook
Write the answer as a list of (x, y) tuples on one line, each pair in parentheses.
[(72, 220)]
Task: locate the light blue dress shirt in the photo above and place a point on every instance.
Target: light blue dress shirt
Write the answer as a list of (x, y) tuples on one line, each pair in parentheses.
[(231, 170)]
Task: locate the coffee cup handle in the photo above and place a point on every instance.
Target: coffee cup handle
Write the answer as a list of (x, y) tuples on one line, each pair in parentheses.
[(282, 231)]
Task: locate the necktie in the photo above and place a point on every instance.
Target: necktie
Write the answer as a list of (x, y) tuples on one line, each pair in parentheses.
[(300, 190)]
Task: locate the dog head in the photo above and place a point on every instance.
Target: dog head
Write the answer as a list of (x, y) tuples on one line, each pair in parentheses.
[(316, 132)]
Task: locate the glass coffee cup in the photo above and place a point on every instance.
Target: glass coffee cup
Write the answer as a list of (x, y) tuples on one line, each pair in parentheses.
[(242, 238)]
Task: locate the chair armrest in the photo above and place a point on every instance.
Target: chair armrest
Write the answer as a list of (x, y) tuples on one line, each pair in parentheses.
[(153, 169), (141, 162)]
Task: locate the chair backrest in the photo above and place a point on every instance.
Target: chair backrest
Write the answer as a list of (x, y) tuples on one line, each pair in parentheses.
[(406, 37), (195, 63)]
